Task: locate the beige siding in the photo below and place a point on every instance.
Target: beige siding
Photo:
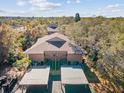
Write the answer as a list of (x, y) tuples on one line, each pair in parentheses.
[(55, 55), (74, 57), (51, 55), (36, 57)]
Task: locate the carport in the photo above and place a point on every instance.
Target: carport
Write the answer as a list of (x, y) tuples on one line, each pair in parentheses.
[(35, 77), (73, 76)]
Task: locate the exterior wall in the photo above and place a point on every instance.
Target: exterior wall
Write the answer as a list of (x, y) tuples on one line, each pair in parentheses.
[(36, 57), (55, 55), (74, 57), (59, 56)]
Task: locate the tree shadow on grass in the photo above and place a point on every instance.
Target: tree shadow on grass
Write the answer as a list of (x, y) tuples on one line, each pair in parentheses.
[(91, 76), (77, 89), (37, 89)]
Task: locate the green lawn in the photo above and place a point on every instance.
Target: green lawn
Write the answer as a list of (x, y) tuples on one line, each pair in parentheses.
[(91, 76), (77, 89)]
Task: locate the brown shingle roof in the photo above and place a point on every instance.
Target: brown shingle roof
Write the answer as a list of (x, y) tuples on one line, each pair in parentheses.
[(42, 45)]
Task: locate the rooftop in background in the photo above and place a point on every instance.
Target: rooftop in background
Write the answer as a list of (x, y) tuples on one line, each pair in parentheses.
[(52, 28), (19, 28)]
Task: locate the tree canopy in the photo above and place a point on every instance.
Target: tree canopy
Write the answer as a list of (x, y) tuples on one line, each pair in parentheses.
[(102, 38), (77, 17)]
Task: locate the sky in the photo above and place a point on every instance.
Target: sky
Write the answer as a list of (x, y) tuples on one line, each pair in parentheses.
[(51, 8)]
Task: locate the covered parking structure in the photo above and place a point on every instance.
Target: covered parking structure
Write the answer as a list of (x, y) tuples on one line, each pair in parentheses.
[(35, 77), (73, 80)]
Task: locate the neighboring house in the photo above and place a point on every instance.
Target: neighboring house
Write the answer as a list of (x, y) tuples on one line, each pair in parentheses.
[(52, 28), (19, 28), (54, 47)]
